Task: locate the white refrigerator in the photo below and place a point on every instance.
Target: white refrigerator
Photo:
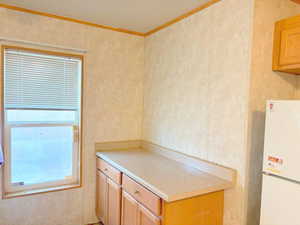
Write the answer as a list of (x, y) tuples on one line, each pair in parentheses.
[(280, 203)]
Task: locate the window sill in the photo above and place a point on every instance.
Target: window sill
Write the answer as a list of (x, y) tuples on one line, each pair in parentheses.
[(40, 191)]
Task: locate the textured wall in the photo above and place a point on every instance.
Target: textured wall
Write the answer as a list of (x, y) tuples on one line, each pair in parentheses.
[(265, 84), (196, 90), (113, 83), (197, 77)]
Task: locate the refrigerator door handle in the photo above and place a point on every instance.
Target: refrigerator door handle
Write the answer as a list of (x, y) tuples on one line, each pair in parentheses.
[(282, 178)]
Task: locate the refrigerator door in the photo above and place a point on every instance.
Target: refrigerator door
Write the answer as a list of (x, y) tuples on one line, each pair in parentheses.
[(282, 139), (280, 202)]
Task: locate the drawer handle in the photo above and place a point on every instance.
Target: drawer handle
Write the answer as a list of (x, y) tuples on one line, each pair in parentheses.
[(136, 192)]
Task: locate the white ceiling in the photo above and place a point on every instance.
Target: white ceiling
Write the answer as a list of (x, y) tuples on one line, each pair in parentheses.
[(135, 15)]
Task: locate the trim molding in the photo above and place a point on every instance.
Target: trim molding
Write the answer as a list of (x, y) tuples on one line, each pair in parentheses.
[(190, 13), (5, 194), (70, 19), (120, 145), (40, 191), (165, 25)]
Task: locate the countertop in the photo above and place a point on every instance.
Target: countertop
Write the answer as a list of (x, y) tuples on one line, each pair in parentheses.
[(169, 179)]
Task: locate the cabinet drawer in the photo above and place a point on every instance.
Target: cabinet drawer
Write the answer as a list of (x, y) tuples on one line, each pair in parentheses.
[(142, 195), (109, 170)]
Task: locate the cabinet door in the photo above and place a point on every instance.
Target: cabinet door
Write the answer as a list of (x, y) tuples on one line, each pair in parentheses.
[(129, 210), (113, 203), (290, 46), (101, 197), (145, 217)]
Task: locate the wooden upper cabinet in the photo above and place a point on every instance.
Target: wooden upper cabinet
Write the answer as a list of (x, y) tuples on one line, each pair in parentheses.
[(290, 47), (286, 52)]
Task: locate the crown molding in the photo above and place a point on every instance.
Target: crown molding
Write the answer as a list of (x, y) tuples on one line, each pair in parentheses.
[(163, 26), (182, 17), (70, 19)]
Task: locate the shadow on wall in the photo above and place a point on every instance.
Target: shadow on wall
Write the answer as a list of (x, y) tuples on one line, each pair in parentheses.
[(288, 78), (273, 85), (255, 167)]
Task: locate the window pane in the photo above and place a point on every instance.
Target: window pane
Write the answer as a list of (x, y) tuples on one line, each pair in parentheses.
[(40, 116), (41, 154)]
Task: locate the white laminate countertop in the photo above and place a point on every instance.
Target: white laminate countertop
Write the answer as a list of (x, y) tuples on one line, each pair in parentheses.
[(169, 179)]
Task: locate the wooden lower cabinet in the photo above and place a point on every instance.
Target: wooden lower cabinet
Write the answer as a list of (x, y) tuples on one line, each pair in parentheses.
[(200, 210), (129, 210), (145, 217), (133, 213), (126, 202), (108, 203), (101, 197), (113, 203)]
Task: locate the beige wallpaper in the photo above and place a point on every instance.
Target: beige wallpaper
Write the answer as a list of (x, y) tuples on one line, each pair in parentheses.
[(196, 90), (113, 83), (196, 76), (265, 84)]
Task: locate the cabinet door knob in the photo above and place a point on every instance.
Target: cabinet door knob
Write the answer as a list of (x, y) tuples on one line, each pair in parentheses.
[(105, 169), (136, 192)]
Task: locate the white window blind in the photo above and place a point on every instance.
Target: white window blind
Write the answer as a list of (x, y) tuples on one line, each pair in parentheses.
[(40, 81)]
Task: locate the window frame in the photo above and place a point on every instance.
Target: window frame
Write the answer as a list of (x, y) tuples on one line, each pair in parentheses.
[(76, 182)]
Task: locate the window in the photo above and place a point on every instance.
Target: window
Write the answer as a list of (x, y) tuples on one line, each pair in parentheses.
[(42, 117)]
